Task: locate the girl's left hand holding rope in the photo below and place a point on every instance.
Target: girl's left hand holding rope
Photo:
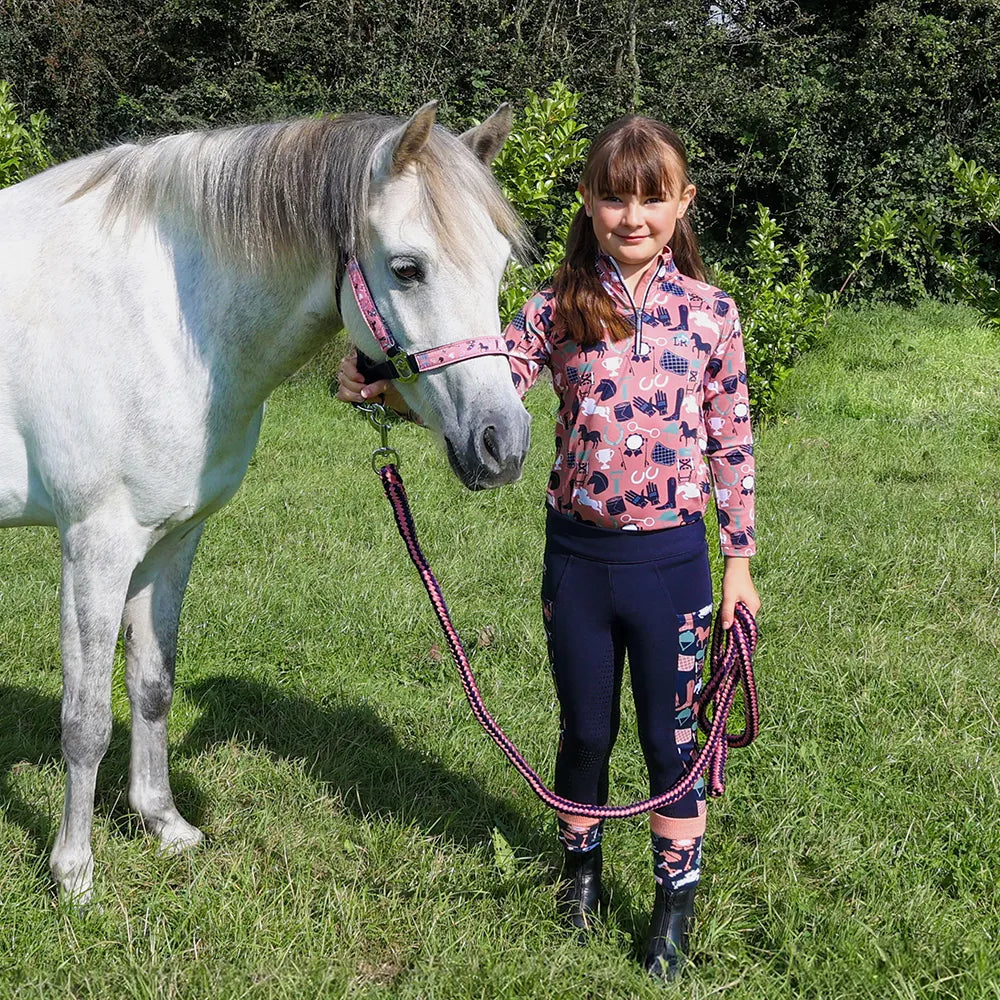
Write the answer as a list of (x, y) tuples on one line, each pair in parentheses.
[(351, 387), (737, 586)]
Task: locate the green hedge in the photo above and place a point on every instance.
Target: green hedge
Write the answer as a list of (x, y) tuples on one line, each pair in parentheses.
[(22, 146), (828, 114)]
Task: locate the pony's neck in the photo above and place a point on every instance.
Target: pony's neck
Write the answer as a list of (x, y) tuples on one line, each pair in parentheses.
[(253, 330)]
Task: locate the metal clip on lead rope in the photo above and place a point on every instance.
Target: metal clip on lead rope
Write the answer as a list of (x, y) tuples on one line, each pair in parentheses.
[(378, 417)]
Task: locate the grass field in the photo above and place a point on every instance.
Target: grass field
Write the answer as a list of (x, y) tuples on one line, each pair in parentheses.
[(365, 840)]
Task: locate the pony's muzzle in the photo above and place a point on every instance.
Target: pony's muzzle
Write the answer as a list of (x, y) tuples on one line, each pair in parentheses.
[(494, 452)]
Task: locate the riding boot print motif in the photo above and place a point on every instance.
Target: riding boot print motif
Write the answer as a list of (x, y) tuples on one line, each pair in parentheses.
[(648, 411), (677, 832), (694, 630)]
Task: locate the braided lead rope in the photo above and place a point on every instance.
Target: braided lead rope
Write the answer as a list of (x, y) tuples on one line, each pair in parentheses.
[(732, 654)]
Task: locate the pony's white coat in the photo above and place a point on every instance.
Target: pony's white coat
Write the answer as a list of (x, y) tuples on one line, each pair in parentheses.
[(152, 297)]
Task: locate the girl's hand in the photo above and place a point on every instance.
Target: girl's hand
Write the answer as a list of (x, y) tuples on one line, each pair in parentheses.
[(736, 587), (351, 387)]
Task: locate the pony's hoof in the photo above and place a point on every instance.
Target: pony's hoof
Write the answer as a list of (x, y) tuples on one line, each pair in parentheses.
[(179, 836), (75, 883), (75, 898)]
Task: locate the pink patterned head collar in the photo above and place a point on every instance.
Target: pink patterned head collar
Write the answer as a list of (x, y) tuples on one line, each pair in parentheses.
[(400, 365)]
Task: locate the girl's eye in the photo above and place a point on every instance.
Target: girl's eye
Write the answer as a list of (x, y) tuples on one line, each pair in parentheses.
[(407, 271)]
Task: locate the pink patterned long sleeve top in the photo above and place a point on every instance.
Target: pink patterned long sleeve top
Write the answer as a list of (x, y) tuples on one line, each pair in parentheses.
[(648, 426)]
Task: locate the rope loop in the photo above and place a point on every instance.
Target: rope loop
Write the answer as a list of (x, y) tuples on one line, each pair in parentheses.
[(731, 668)]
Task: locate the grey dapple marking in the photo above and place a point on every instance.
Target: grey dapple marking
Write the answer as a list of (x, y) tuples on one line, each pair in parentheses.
[(151, 297)]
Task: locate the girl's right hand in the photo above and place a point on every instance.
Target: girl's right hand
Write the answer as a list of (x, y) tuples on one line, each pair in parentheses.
[(352, 388), (737, 588)]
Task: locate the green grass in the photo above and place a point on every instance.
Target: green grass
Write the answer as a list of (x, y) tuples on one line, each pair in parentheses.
[(365, 840)]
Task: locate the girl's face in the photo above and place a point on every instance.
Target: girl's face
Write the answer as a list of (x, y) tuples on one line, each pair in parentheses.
[(634, 228)]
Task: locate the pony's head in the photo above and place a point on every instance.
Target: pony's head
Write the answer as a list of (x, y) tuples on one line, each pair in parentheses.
[(416, 205), (436, 236)]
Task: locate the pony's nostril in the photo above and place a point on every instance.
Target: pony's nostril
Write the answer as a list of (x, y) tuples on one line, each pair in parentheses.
[(490, 443)]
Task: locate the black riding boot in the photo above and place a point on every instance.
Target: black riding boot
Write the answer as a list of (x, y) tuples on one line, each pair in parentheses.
[(580, 894), (669, 926)]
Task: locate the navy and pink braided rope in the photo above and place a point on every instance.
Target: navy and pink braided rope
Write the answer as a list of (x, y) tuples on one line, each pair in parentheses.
[(731, 667)]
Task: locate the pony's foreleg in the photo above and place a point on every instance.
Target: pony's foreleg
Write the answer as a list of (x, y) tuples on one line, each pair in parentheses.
[(97, 562), (151, 616)]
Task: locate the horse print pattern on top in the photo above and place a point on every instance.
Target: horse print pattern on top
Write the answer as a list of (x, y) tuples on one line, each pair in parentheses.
[(638, 417)]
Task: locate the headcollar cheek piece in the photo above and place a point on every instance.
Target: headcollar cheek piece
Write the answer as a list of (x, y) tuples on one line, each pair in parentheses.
[(399, 365)]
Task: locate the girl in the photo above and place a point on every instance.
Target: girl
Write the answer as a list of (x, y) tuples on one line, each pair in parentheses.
[(647, 360)]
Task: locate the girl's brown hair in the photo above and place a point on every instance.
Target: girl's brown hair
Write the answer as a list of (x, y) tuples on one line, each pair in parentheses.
[(633, 154)]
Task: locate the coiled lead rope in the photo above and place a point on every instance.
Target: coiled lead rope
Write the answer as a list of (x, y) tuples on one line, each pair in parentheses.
[(731, 668)]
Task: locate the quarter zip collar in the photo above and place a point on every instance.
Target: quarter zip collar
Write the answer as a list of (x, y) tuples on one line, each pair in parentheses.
[(614, 283)]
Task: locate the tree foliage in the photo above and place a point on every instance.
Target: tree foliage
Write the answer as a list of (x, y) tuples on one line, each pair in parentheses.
[(828, 114), (964, 243)]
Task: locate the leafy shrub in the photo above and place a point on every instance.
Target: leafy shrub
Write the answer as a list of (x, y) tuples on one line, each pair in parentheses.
[(22, 147), (534, 169), (952, 235), (964, 244), (890, 254), (543, 146), (780, 311)]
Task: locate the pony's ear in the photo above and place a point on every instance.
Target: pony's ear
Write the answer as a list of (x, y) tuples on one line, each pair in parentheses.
[(487, 140), (414, 135)]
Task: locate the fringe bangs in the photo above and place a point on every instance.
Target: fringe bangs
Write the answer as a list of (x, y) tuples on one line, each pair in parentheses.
[(637, 162)]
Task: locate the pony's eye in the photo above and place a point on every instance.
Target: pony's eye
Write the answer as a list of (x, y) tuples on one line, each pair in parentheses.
[(406, 271)]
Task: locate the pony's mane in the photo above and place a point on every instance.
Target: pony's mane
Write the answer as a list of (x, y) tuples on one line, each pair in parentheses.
[(262, 193)]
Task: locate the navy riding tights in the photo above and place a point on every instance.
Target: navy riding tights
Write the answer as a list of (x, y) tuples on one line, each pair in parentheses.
[(609, 594)]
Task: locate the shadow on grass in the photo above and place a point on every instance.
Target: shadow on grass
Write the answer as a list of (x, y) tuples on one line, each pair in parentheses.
[(359, 757), (30, 725), (345, 745)]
